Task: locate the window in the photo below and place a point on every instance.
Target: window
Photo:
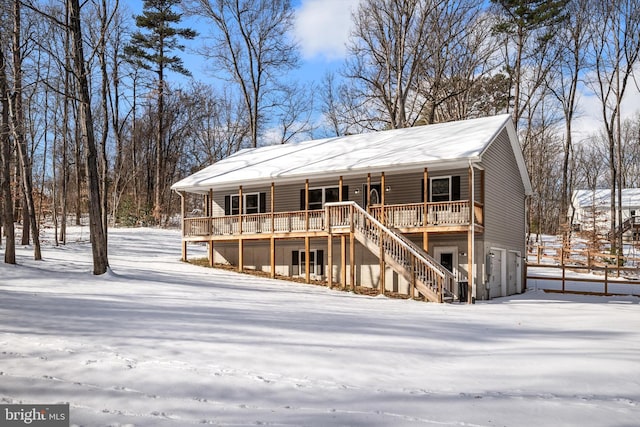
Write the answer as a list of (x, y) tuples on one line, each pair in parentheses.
[(316, 262), (315, 198), (252, 203), (441, 189), (319, 196), (444, 189)]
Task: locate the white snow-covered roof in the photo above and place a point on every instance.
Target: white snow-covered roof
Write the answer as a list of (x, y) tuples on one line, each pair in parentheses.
[(438, 145), (602, 198)]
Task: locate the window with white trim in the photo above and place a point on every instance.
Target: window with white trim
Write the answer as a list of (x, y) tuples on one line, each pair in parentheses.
[(252, 203), (316, 262)]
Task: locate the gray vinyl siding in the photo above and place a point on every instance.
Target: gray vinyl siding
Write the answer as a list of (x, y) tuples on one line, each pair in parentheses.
[(504, 210), (403, 188)]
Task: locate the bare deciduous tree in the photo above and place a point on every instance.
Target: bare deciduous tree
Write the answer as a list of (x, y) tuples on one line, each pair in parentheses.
[(616, 49), (571, 41), (6, 206), (85, 119), (410, 57), (18, 129), (252, 48)]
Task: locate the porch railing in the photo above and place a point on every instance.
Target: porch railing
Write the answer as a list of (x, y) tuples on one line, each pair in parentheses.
[(280, 222), (427, 214), (393, 216)]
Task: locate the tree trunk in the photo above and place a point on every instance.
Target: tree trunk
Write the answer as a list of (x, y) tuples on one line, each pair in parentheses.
[(17, 119), (65, 137), (98, 235), (102, 55), (6, 199), (157, 208)]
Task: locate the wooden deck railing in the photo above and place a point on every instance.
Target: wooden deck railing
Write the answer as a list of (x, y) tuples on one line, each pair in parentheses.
[(280, 222), (414, 215), (394, 216)]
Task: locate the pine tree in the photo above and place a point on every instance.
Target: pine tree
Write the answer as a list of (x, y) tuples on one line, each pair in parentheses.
[(521, 19), (151, 50)]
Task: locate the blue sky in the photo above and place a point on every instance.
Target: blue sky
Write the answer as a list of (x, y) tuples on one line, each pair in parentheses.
[(321, 27)]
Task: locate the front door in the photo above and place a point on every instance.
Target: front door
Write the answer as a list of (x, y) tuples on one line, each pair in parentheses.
[(374, 195)]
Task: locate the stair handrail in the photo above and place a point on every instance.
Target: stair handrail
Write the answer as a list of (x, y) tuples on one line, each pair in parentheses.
[(625, 226), (423, 257)]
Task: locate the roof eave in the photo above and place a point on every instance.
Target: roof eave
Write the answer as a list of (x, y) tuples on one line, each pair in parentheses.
[(446, 164)]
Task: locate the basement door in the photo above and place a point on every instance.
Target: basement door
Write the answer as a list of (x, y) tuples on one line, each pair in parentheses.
[(448, 257)]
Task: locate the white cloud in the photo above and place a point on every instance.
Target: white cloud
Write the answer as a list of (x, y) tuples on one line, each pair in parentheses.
[(323, 27), (589, 119)]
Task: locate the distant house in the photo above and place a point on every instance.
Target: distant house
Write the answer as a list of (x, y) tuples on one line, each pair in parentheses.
[(591, 210), (408, 211)]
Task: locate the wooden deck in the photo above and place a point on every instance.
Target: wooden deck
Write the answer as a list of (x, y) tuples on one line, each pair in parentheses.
[(348, 220), (449, 217)]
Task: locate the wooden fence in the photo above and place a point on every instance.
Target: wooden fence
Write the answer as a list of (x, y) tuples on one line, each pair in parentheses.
[(599, 280), (557, 255), (558, 269)]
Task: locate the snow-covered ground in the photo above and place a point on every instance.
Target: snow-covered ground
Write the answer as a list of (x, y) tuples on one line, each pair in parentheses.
[(158, 342)]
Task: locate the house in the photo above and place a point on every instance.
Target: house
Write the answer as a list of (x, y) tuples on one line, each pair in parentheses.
[(591, 210), (436, 211)]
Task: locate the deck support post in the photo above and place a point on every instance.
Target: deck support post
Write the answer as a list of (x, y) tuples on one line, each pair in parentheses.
[(425, 198), (412, 288), (330, 260), (272, 251), (425, 210), (383, 190), (381, 285), (471, 236), (273, 207), (210, 253), (343, 240), (352, 251), (327, 216), (240, 208), (306, 206), (209, 212), (184, 243), (368, 195), (343, 261), (307, 261), (273, 223), (240, 241)]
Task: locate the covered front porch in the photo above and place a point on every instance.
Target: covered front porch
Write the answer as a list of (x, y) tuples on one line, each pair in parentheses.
[(253, 212), (442, 217)]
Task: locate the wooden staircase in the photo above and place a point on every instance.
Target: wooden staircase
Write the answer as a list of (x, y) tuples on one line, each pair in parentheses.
[(422, 271), (628, 224)]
